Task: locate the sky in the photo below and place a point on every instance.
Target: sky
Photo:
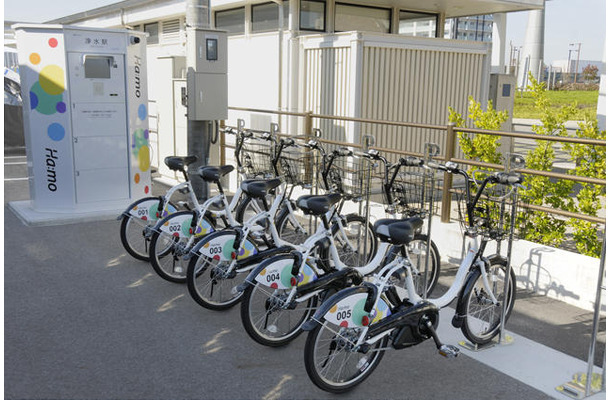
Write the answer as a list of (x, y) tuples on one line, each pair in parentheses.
[(566, 22)]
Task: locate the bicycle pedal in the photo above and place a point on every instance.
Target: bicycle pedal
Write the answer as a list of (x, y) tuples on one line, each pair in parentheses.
[(449, 351)]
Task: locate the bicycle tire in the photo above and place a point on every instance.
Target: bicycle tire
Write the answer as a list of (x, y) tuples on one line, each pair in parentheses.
[(291, 231), (282, 328), (132, 231), (322, 354), (201, 278), (482, 318), (417, 257), (168, 259), (353, 227)]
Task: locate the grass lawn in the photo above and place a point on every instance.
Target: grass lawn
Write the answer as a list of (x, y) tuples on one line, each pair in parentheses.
[(586, 102)]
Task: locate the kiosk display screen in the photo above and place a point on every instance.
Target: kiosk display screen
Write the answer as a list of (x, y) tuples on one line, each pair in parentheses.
[(98, 67)]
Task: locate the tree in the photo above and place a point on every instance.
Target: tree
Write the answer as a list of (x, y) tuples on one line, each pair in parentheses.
[(589, 73)]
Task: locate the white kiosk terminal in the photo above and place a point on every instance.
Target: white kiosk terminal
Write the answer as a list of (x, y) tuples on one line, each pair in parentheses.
[(85, 111)]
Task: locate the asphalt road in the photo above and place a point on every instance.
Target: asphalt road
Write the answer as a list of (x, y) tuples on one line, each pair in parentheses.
[(84, 320)]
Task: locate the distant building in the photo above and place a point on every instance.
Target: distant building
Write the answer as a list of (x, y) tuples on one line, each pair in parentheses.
[(572, 66)]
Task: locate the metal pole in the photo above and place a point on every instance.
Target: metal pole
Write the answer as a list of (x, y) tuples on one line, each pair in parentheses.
[(507, 279), (448, 178), (199, 133), (598, 298)]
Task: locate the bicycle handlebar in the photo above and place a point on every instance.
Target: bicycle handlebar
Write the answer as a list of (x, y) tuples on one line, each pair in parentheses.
[(411, 161)]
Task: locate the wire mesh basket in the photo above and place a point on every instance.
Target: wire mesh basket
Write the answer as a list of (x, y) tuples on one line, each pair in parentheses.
[(415, 192), (349, 175), (296, 165), (492, 214), (255, 158)]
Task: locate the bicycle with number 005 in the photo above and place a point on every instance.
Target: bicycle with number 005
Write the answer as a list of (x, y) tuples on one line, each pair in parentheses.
[(350, 332)]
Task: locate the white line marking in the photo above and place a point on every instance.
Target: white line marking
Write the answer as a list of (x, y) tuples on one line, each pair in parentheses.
[(15, 179), (16, 163)]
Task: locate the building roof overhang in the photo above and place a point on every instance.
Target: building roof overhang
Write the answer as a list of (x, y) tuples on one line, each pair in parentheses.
[(450, 8)]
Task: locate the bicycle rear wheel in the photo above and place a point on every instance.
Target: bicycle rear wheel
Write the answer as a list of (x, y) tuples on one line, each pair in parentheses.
[(482, 316), (133, 236), (332, 361), (268, 320)]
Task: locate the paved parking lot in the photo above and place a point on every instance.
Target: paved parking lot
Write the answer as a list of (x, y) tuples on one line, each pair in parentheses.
[(85, 320)]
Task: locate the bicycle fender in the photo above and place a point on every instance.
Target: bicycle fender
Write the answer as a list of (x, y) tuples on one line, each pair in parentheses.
[(276, 273), (146, 209), (460, 312), (179, 225), (346, 309), (219, 246)]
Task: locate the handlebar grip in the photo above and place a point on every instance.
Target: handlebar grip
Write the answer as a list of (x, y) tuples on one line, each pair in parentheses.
[(510, 178), (288, 142), (411, 161), (344, 152)]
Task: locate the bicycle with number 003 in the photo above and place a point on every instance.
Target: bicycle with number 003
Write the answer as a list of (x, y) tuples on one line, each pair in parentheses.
[(221, 261), (350, 332)]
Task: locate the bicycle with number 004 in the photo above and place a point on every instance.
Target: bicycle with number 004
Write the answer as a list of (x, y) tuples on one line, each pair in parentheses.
[(282, 292)]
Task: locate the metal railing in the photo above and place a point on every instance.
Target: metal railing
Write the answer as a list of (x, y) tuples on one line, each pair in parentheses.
[(450, 152), (584, 389)]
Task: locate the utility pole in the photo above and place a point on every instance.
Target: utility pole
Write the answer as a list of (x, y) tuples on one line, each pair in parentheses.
[(199, 133), (577, 59)]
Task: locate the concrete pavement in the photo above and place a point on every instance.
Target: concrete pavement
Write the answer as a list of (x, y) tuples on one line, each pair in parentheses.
[(85, 320)]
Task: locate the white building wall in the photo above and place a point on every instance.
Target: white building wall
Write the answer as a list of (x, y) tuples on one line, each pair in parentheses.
[(253, 78)]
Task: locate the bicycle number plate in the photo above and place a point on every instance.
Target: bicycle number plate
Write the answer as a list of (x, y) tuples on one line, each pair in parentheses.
[(278, 275), (180, 226), (348, 312), (221, 247), (147, 210)]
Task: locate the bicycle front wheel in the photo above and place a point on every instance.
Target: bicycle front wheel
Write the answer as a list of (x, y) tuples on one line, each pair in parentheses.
[(482, 316), (418, 251), (295, 226), (332, 361), (355, 240), (268, 319)]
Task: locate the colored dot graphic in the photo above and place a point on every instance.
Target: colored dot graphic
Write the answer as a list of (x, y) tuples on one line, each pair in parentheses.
[(142, 113), (53, 42), (52, 80), (44, 102), (136, 178), (56, 132), (35, 58)]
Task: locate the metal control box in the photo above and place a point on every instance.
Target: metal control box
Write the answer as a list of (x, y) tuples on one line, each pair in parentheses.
[(206, 77)]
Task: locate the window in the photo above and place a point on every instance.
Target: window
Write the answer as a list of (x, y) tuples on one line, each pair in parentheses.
[(265, 17), (170, 30), (312, 15), (417, 24), (232, 21), (153, 33), (349, 17)]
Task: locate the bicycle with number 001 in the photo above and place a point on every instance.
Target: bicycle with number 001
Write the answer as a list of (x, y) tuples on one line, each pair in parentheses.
[(350, 332)]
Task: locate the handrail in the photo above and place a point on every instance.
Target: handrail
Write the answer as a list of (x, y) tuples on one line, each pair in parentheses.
[(451, 130)]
